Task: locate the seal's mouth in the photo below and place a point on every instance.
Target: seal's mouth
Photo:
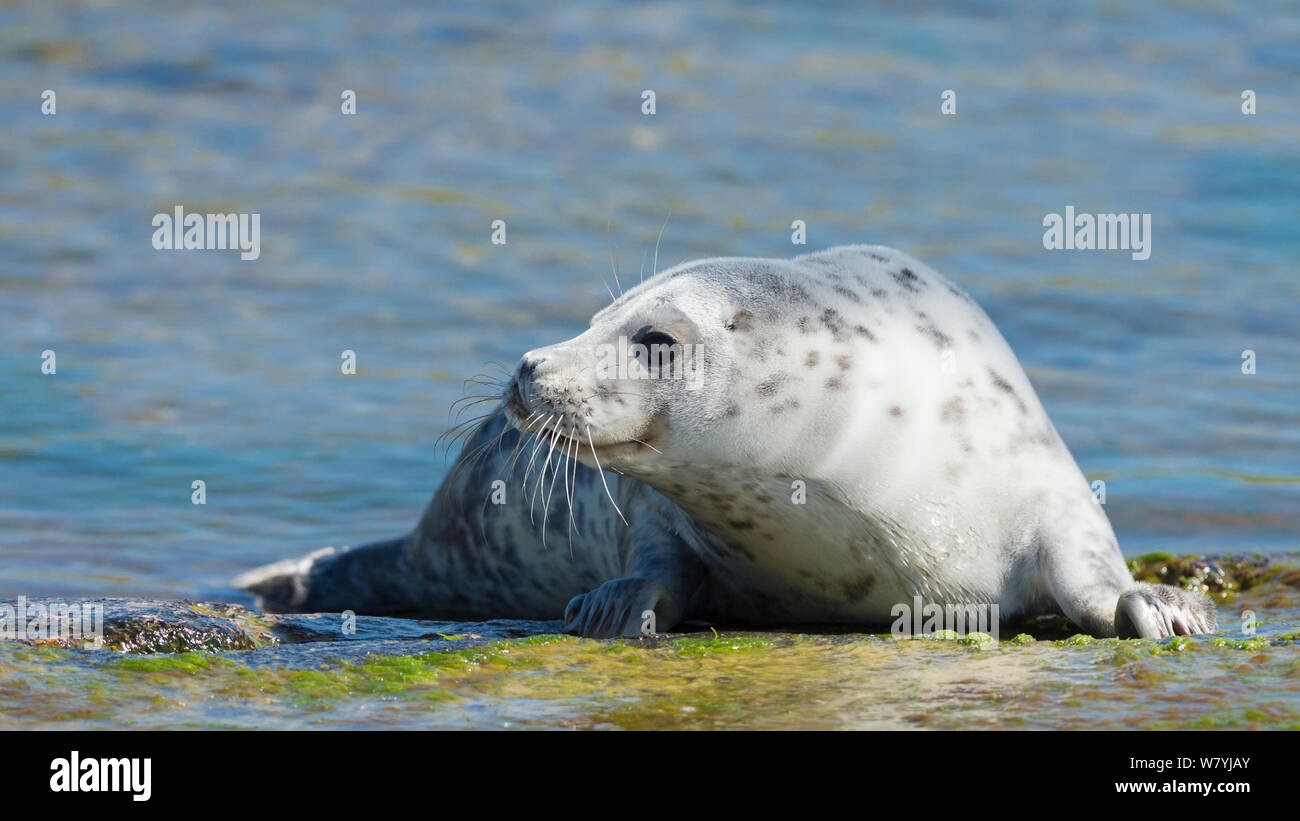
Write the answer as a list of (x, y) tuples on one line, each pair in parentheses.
[(564, 437), (577, 442)]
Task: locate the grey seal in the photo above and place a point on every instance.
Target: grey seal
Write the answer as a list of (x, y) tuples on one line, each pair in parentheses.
[(758, 442)]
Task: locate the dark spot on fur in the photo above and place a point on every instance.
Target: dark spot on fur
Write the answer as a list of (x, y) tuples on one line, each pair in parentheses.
[(741, 525), (812, 359), (908, 280), (954, 410), (844, 362), (742, 320), (895, 410), (852, 296), (863, 331), (831, 319), (768, 386), (834, 384), (938, 337), (1000, 383), (857, 589), (1006, 387)]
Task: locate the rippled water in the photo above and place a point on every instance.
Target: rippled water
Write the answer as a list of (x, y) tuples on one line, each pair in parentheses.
[(176, 366)]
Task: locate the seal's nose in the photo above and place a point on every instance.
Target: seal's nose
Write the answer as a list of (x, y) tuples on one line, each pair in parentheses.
[(525, 374), (527, 370)]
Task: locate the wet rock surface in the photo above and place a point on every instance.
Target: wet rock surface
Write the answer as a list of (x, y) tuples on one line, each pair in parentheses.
[(185, 664)]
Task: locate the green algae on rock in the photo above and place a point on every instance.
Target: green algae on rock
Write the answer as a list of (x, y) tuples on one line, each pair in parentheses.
[(1220, 577), (240, 669)]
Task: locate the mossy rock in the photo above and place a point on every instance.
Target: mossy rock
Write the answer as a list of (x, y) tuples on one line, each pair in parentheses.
[(1222, 576)]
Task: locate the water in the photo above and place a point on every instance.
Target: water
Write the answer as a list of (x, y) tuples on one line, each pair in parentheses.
[(177, 366)]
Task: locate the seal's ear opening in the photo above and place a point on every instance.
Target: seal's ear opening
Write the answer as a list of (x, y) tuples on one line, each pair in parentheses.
[(742, 320)]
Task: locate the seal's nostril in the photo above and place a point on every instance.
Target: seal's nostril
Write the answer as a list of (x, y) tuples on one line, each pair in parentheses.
[(528, 367), (522, 384)]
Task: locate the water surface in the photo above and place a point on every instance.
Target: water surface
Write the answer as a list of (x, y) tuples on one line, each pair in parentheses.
[(177, 366)]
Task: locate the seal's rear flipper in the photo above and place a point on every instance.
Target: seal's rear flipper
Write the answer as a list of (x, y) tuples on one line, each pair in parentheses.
[(373, 579), (1093, 588), (1159, 611), (281, 587)]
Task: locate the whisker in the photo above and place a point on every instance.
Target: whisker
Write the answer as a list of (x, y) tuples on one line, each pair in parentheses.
[(467, 402), (601, 471), (539, 439), (546, 495), (546, 463), (640, 442), (537, 444), (655, 268), (515, 453), (463, 429), (567, 494), (469, 461), (647, 444), (573, 484), (609, 244), (494, 386), (490, 378), (482, 513)]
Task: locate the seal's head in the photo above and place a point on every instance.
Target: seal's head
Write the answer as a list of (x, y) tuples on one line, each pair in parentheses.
[(833, 367), (651, 384)]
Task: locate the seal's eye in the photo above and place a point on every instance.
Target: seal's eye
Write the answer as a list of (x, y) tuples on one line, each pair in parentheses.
[(658, 348), (652, 338)]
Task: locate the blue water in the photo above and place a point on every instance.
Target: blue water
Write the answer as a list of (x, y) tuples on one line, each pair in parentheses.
[(176, 366)]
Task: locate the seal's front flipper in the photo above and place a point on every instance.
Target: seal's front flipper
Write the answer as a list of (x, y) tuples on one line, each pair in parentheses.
[(664, 576), (622, 607), (1158, 611)]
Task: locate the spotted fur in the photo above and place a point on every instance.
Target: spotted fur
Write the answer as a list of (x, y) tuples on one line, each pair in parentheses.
[(847, 448)]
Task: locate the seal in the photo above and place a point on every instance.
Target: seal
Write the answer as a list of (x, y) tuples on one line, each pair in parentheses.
[(758, 442)]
